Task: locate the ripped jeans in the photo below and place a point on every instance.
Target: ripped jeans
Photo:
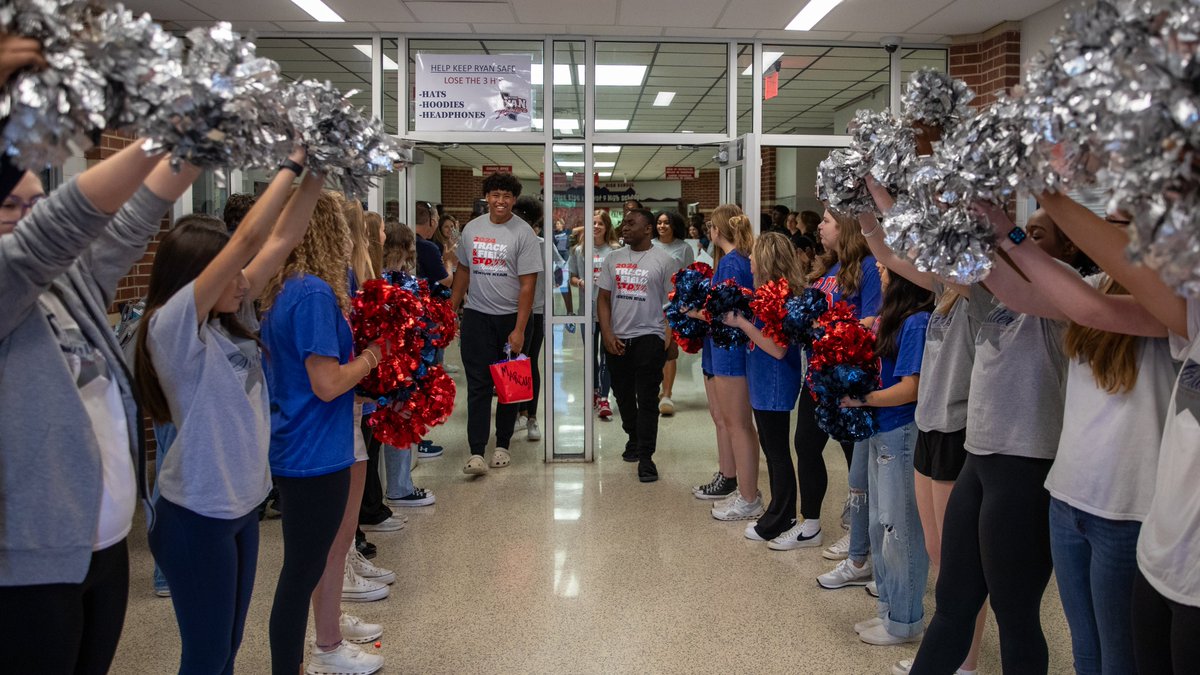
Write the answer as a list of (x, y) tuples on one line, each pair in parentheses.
[(860, 517), (897, 539)]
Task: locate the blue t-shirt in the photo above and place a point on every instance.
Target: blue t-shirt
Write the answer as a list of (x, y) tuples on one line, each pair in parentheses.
[(309, 437), (715, 360), (866, 299), (910, 349)]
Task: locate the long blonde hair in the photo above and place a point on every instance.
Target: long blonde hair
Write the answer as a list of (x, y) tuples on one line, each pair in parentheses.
[(733, 226), (1112, 356), (851, 250), (610, 233), (324, 253), (374, 224), (775, 258), (360, 252)]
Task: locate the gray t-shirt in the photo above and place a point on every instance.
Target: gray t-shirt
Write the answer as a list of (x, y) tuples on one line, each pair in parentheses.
[(946, 370), (1108, 452), (539, 292), (638, 283), (498, 255), (214, 385), (1170, 537), (1018, 382), (680, 250)]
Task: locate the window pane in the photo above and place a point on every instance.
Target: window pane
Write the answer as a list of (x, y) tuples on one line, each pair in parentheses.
[(745, 90), (821, 87), (346, 63), (568, 90), (661, 87), (494, 47), (913, 60)]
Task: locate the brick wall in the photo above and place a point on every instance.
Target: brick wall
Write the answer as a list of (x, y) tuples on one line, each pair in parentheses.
[(988, 62), (766, 184), (705, 189), (460, 189)]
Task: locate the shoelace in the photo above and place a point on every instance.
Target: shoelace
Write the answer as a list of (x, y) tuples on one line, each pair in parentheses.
[(720, 484), (704, 488)]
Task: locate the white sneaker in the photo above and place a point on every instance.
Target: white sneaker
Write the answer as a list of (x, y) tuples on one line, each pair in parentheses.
[(878, 635), (795, 538), (872, 589), (358, 589), (532, 432), (475, 466), (666, 406), (838, 550), (738, 508), (846, 574), (392, 524), (368, 570), (869, 623), (522, 420), (355, 629), (751, 533), (347, 659)]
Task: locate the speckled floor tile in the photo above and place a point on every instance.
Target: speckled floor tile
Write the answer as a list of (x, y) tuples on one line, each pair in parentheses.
[(579, 568)]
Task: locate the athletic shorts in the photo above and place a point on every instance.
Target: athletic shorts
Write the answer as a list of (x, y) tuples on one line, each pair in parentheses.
[(940, 455)]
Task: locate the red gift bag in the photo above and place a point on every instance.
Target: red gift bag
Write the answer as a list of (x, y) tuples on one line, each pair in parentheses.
[(513, 379)]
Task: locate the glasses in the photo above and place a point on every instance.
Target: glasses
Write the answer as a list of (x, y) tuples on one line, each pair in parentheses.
[(18, 207)]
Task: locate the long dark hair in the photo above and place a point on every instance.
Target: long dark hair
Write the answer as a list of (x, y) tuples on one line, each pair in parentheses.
[(901, 299), (181, 256), (678, 227)]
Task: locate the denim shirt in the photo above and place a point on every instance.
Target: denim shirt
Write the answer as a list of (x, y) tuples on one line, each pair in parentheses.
[(774, 383)]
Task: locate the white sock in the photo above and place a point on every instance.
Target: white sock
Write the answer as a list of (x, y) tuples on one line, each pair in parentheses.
[(810, 527)]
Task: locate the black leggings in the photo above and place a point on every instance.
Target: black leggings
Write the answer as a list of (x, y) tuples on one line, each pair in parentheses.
[(1166, 634), (810, 458), (312, 512), (372, 510), (995, 544), (536, 334), (83, 621), (773, 427)]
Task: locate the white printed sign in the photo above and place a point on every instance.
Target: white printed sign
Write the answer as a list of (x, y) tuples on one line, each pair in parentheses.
[(473, 92)]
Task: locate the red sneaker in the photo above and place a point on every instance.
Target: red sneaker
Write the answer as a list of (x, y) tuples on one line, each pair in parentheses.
[(604, 410)]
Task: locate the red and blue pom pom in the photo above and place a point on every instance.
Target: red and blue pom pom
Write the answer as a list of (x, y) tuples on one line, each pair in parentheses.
[(723, 298), (843, 364), (691, 292)]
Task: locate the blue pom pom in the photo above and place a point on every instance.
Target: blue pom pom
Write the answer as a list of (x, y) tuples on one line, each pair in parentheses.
[(803, 310), (723, 298)]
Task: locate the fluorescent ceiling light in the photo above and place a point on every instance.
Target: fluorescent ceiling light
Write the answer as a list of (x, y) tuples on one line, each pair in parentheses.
[(606, 149), (577, 149), (604, 165), (613, 76), (570, 164), (388, 62), (559, 123), (595, 165), (318, 10), (664, 98), (612, 125), (769, 59), (605, 174), (808, 17), (562, 74), (568, 149), (687, 131)]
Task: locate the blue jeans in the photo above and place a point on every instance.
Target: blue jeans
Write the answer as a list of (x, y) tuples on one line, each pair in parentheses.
[(901, 563), (1095, 565), (164, 436), (398, 466), (860, 516)]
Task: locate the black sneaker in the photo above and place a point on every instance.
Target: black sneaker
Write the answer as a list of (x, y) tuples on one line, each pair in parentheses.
[(719, 488), (366, 548), (647, 472), (630, 455)]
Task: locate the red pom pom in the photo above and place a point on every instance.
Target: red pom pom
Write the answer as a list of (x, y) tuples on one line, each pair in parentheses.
[(845, 341), (768, 307), (429, 403), (391, 316)]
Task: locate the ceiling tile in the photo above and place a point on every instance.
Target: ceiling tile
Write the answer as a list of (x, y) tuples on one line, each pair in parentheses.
[(168, 10), (609, 30), (602, 12), (262, 10), (815, 35), (966, 17), (441, 27), (324, 27), (695, 13), (907, 38), (369, 10), (502, 29), (757, 14), (856, 16), (500, 12)]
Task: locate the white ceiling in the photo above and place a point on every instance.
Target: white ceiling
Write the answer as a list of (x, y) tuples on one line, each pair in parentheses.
[(917, 21)]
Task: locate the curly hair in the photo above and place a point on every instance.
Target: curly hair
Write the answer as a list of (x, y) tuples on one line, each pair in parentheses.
[(505, 182), (324, 253)]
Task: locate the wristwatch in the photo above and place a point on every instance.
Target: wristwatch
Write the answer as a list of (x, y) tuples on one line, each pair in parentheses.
[(1017, 235), (291, 165)]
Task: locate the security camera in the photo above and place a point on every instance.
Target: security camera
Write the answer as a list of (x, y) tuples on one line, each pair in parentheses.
[(891, 43)]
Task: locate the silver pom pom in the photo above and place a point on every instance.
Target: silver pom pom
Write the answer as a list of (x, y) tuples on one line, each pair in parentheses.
[(341, 142), (954, 243), (227, 109), (141, 61), (935, 99), (881, 146), (52, 113)]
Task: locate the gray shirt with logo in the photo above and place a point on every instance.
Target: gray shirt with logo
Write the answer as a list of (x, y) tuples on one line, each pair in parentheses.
[(497, 256), (638, 283), (1018, 382), (946, 370)]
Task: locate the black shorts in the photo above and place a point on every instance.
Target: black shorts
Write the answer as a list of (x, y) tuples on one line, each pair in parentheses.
[(939, 455)]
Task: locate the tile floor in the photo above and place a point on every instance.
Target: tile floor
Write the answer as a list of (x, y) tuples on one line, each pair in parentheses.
[(579, 568)]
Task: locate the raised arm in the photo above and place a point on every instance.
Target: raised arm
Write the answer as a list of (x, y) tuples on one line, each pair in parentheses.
[(288, 227), (1018, 294), (1105, 244), (873, 233), (124, 241)]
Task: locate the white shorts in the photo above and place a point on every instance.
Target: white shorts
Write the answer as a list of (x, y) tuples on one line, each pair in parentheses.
[(360, 445)]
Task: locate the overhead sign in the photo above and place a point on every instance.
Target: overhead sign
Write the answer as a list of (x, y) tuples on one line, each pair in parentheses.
[(681, 173), (489, 169), (473, 92)]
